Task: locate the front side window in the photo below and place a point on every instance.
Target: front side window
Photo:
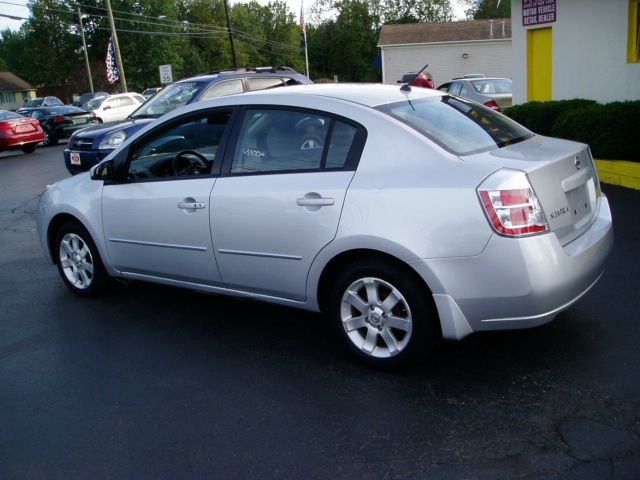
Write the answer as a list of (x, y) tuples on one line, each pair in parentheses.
[(457, 125), (186, 149), (126, 101), (455, 87), (278, 140)]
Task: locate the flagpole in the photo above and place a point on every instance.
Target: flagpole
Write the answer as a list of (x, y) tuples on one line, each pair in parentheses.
[(123, 82), (303, 27)]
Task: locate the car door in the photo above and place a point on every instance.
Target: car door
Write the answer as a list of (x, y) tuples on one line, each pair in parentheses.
[(156, 223), (280, 198), (110, 110)]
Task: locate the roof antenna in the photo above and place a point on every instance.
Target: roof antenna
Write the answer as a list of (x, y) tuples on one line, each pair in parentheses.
[(407, 86)]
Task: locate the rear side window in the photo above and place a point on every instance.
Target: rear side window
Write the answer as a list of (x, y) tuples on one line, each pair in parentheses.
[(457, 125), (278, 140), (263, 83), (492, 86)]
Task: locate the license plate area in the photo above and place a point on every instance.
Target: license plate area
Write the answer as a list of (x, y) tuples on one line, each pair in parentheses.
[(579, 203), (74, 157), (24, 128)]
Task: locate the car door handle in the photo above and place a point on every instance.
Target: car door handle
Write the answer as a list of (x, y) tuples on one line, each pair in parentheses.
[(314, 202), (191, 205)]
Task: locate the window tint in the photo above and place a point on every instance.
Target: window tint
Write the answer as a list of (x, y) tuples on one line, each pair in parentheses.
[(278, 140), (125, 101), (168, 99), (460, 126), (263, 83), (340, 145), (454, 89), (223, 89), (502, 85), (187, 149), (463, 89)]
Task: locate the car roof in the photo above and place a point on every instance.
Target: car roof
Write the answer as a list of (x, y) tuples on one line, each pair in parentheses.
[(244, 72), (365, 94)]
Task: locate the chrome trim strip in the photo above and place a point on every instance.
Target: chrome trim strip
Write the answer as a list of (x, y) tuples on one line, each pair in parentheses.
[(260, 254), (153, 244)]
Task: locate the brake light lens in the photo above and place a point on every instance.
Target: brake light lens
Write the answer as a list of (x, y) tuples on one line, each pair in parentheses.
[(6, 125), (493, 105), (59, 120), (514, 212)]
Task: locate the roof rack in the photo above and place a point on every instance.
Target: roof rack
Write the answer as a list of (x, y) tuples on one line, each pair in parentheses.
[(269, 69)]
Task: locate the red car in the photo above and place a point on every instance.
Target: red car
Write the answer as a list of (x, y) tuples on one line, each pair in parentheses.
[(20, 132)]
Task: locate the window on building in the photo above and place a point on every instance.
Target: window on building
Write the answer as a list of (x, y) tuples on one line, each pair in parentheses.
[(633, 45)]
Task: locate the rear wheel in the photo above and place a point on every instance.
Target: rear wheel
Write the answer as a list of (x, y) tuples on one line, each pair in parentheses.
[(30, 148), (49, 138), (79, 262), (384, 315)]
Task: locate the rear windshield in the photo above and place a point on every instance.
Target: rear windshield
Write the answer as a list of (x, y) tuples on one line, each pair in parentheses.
[(4, 115), (457, 125), (492, 86), (63, 110)]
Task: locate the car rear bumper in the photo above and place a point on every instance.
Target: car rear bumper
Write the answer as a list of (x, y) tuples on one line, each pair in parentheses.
[(17, 141), (519, 283)]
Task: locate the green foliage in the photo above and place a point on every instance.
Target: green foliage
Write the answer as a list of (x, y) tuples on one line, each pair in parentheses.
[(539, 117), (611, 130), (491, 9)]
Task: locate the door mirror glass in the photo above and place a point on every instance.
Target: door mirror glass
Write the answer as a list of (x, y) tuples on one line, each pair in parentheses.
[(103, 171)]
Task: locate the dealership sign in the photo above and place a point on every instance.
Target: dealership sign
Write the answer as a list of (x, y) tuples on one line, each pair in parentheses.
[(535, 12)]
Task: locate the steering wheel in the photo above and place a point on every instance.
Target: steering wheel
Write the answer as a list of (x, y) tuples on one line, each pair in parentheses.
[(311, 141), (189, 162)]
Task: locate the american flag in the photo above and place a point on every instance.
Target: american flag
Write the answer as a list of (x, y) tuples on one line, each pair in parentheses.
[(303, 27), (112, 64)]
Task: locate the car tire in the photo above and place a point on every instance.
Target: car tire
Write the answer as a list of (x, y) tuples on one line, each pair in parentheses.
[(49, 139), (79, 262), (396, 327), (29, 148)]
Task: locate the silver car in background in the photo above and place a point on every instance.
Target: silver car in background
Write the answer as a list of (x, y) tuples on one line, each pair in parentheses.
[(495, 93), (404, 216)]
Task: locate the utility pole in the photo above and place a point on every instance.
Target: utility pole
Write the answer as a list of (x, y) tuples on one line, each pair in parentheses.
[(86, 55), (233, 49), (123, 82)]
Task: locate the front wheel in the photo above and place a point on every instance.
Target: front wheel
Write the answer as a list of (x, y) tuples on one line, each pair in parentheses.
[(79, 262), (383, 314)]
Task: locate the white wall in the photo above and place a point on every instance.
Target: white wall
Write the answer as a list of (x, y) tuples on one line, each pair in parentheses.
[(492, 58), (589, 52)]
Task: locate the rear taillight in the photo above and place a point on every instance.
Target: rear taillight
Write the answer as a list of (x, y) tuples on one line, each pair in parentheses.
[(59, 120), (511, 204), (6, 125), (492, 105)]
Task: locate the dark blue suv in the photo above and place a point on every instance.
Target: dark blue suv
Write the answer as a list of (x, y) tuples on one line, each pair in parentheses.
[(89, 146)]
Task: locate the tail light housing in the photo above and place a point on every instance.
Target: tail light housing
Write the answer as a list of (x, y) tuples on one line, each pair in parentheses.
[(493, 105), (6, 125), (59, 120), (511, 205)]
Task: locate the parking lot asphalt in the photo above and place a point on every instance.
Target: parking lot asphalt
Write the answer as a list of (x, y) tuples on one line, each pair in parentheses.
[(153, 382)]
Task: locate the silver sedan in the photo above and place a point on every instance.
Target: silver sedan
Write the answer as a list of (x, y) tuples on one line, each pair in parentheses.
[(405, 216)]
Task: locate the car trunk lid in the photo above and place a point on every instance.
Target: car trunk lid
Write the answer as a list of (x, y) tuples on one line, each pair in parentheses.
[(562, 175)]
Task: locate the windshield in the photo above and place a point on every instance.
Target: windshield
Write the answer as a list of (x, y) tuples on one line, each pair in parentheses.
[(168, 99), (93, 104), (36, 102), (493, 85), (457, 125)]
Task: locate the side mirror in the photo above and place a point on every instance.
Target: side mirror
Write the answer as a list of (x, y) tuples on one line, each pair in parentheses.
[(103, 171)]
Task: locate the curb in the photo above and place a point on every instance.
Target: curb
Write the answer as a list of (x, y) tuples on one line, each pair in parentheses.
[(619, 172)]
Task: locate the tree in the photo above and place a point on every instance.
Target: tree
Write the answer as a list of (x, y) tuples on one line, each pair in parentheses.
[(481, 9)]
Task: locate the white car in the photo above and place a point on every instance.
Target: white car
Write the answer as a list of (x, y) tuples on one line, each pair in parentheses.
[(405, 216), (114, 108)]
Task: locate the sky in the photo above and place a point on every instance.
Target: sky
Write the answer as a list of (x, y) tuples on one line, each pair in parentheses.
[(23, 11)]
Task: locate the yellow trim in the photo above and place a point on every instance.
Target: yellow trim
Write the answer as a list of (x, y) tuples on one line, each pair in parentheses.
[(634, 35), (540, 64), (619, 172)]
